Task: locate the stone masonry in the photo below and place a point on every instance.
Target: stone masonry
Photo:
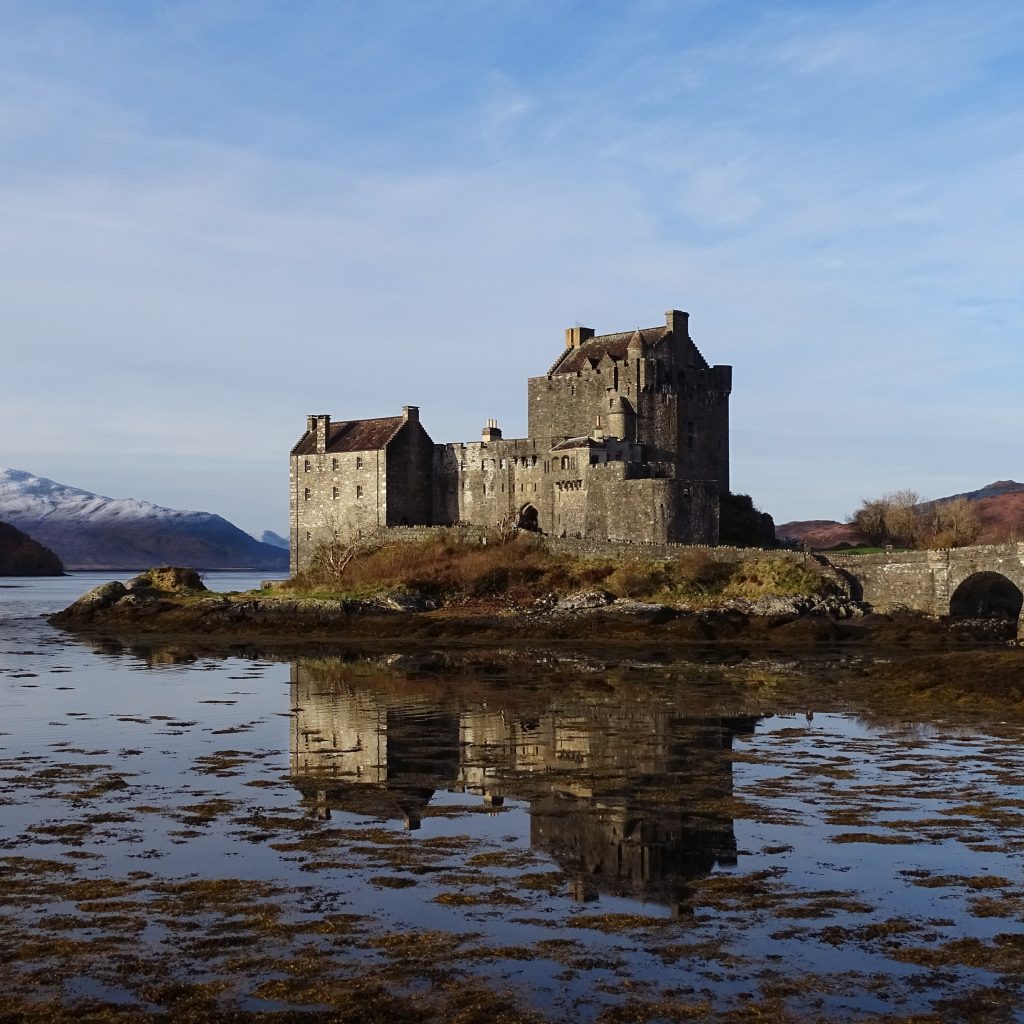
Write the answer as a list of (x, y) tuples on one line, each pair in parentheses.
[(628, 442)]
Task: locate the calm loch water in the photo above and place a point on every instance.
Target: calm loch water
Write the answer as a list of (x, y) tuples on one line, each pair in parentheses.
[(635, 840)]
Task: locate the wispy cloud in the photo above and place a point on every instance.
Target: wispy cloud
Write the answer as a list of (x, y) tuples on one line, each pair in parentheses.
[(215, 217)]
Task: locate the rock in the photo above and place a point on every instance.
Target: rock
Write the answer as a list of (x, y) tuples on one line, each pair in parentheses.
[(654, 614), (404, 601), (168, 579), (99, 597), (584, 599), (781, 607)]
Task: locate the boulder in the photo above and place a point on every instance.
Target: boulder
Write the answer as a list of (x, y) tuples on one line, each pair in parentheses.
[(168, 579), (404, 601), (99, 597), (583, 600)]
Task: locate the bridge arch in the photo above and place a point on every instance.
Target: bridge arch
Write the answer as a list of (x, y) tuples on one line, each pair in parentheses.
[(986, 594)]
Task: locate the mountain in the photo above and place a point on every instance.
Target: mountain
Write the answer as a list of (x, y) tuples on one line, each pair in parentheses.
[(274, 539), (993, 490), (1000, 506), (818, 533), (90, 531), (20, 555)]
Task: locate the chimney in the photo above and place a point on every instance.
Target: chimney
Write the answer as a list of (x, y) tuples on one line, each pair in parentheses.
[(320, 426), (598, 434), (491, 432), (411, 413), (678, 323), (576, 336)]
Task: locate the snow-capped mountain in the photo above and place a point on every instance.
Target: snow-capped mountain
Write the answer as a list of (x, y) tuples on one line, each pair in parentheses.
[(90, 531), (273, 539)]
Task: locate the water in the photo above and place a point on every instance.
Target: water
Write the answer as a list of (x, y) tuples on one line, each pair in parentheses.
[(659, 840)]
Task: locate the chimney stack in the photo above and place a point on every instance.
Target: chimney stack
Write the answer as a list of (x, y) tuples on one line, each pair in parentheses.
[(411, 413), (320, 426), (491, 432), (678, 323), (576, 336)]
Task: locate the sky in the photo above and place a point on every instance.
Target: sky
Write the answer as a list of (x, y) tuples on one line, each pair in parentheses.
[(219, 216)]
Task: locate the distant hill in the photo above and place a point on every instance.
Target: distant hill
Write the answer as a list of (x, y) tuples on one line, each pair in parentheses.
[(90, 531), (1000, 506), (993, 490), (20, 555), (274, 539), (818, 533)]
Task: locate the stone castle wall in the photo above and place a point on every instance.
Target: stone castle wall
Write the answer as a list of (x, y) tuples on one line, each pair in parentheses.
[(628, 443), (339, 496)]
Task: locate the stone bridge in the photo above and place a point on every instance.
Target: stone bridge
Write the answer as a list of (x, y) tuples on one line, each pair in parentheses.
[(974, 581)]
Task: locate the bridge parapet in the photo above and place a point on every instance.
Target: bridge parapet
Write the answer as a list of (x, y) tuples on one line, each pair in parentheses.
[(926, 580)]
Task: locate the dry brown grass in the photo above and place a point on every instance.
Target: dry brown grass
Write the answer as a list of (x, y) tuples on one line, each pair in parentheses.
[(521, 569)]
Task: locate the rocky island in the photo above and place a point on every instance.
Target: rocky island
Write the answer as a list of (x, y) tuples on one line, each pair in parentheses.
[(458, 591)]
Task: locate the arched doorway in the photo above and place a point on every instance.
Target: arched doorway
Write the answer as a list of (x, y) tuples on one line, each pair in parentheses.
[(529, 519), (986, 595)]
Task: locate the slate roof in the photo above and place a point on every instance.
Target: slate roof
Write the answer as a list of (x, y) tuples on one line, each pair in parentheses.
[(577, 442), (353, 436), (614, 345)]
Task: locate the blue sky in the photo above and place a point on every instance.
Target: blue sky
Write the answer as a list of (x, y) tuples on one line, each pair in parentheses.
[(217, 217)]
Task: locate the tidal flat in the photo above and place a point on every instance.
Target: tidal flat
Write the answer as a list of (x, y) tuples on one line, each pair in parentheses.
[(501, 835)]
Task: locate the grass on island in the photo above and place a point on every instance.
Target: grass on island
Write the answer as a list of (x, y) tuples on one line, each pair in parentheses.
[(521, 570)]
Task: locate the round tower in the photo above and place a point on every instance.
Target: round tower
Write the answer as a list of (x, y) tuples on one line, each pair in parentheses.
[(621, 419)]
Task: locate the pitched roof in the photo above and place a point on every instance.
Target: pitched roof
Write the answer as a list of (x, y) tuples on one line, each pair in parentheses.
[(614, 345), (577, 442), (353, 436)]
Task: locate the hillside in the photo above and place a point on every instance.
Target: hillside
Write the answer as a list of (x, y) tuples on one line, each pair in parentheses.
[(91, 531), (21, 555), (1000, 505)]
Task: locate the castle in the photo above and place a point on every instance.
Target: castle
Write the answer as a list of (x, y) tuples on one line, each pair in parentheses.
[(628, 441)]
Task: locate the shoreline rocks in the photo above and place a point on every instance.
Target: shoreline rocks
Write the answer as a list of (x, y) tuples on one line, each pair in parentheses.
[(173, 603)]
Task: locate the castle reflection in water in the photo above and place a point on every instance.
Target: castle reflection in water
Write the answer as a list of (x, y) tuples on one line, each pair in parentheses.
[(624, 791)]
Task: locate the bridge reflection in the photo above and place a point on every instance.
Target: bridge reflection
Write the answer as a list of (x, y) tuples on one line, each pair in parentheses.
[(624, 791)]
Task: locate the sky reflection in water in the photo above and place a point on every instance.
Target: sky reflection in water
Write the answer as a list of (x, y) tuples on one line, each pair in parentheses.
[(687, 831)]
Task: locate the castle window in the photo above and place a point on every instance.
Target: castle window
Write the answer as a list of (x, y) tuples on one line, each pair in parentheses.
[(689, 434), (335, 493), (359, 462), (359, 490), (534, 488), (309, 535), (307, 494), (307, 467), (504, 463), (334, 464)]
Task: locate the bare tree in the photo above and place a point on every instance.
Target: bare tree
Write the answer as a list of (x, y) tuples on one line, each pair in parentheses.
[(892, 519), (904, 520), (870, 520), (953, 524)]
